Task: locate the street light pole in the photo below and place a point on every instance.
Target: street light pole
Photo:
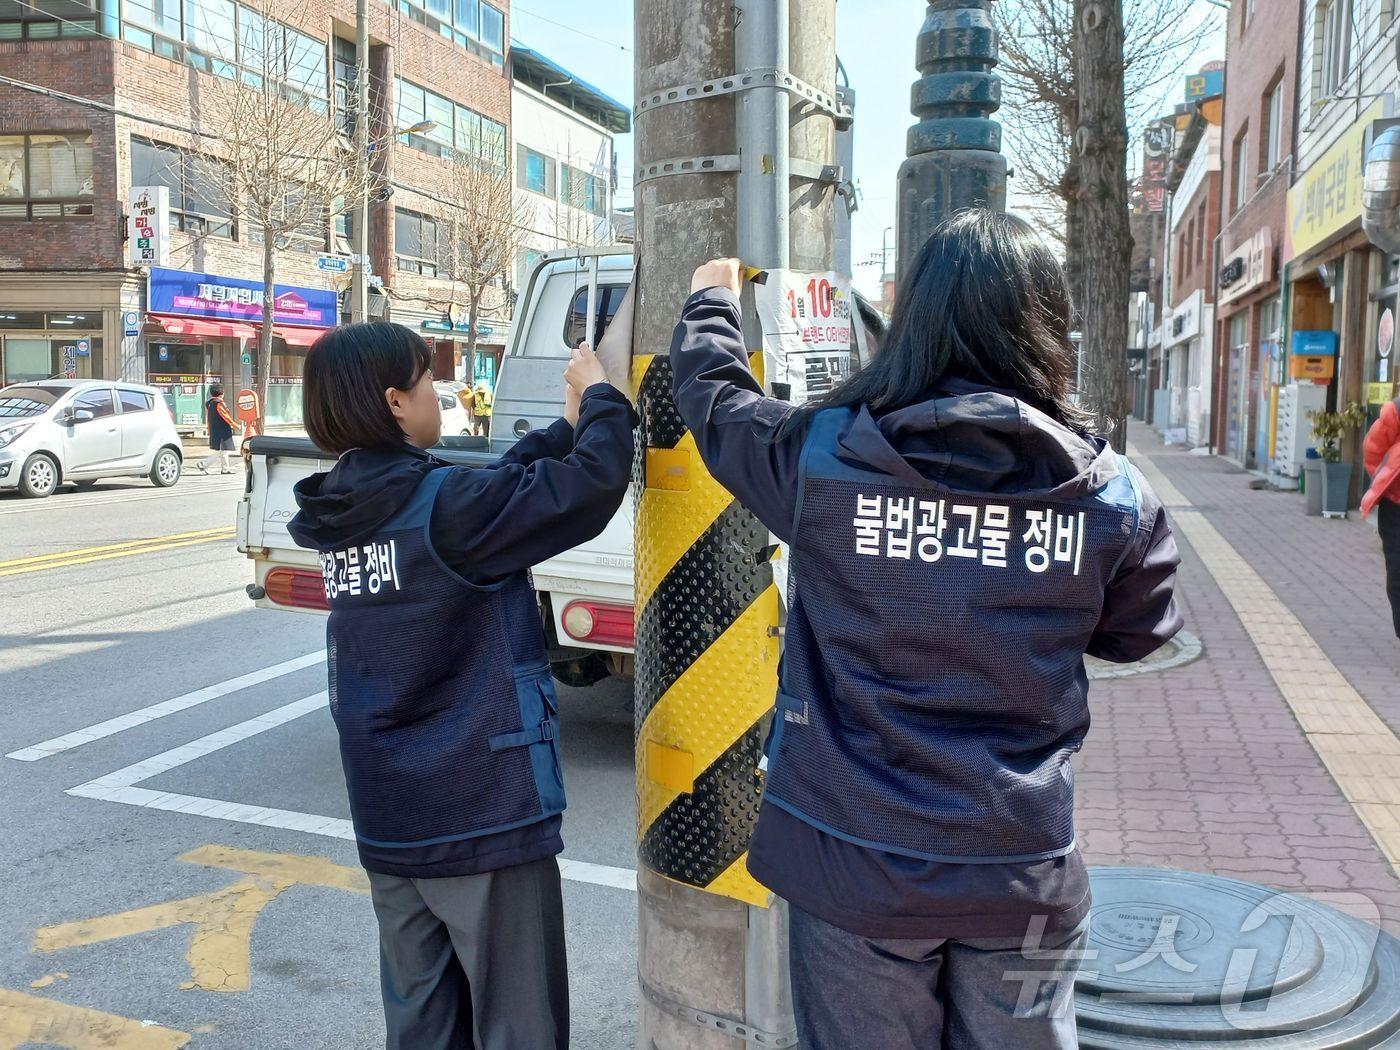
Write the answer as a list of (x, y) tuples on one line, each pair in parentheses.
[(955, 159), (359, 232)]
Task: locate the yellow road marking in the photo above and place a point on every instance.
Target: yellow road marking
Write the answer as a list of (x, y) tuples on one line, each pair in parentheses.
[(29, 1020), (1355, 745), (219, 952), (62, 560)]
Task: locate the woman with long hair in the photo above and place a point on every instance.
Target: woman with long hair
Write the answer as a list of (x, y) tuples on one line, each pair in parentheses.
[(959, 542)]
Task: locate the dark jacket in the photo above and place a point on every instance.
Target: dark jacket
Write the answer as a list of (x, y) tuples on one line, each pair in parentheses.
[(910, 726), (219, 422), (439, 684)]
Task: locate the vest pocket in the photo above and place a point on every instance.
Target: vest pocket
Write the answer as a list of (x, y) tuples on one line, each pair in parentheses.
[(539, 719)]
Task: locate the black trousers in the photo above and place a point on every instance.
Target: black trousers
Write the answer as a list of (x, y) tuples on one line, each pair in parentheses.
[(1388, 524), (474, 963)]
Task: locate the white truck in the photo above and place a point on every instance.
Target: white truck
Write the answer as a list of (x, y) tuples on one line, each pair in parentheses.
[(585, 594)]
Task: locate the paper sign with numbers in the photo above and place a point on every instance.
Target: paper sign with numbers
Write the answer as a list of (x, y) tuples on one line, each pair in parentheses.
[(806, 321)]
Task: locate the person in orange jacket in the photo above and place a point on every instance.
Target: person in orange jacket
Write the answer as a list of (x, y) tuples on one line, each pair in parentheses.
[(1382, 452)]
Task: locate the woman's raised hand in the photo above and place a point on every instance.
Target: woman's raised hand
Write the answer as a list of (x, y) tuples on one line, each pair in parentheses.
[(717, 273), (584, 371)]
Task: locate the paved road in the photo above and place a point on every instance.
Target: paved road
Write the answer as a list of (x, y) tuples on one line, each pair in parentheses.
[(184, 871)]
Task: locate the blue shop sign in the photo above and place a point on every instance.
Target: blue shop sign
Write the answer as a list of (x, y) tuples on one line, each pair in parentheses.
[(1315, 344), (188, 294)]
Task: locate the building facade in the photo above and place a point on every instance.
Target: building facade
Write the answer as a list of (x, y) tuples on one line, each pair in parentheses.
[(109, 104), (565, 157), (1256, 168), (1340, 290)]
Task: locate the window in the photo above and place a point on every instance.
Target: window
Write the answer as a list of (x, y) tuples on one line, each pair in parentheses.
[(47, 20), (609, 299), (417, 247), (581, 190), (1186, 246), (211, 28), (343, 95), (1334, 17), (136, 401), (1201, 233), (46, 176), (534, 171), (98, 402), (472, 25), (1273, 136), (454, 127), (197, 201), (1243, 176)]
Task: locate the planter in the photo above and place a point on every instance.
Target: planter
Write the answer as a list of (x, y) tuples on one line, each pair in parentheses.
[(1312, 486), (1336, 489)]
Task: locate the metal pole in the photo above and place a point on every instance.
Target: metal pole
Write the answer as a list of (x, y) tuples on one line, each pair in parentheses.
[(955, 159), (359, 231), (715, 176)]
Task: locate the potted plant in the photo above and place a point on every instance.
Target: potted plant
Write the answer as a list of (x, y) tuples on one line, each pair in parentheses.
[(1329, 428)]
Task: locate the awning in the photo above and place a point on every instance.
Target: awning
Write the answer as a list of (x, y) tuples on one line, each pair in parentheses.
[(235, 330), (212, 329)]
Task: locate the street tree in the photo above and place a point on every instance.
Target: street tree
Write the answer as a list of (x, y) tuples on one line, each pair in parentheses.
[(1101, 152), (486, 227), (275, 151)]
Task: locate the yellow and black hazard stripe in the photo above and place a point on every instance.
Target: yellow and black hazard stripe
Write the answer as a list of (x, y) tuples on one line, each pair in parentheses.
[(707, 655)]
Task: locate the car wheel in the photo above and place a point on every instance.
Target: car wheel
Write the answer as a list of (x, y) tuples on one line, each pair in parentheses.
[(166, 469), (40, 476)]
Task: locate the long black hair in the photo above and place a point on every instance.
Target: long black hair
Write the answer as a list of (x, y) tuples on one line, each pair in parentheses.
[(347, 371), (985, 300)]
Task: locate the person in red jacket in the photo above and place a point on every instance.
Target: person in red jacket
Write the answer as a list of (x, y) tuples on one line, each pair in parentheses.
[(1383, 465)]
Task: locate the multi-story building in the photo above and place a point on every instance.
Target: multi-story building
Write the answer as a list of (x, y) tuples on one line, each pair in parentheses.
[(1256, 165), (1187, 344), (106, 95), (565, 159), (1341, 290)]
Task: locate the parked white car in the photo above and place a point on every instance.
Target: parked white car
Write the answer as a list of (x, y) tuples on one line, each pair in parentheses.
[(83, 430), (455, 419)]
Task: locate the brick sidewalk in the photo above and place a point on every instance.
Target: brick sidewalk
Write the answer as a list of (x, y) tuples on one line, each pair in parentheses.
[(1206, 767)]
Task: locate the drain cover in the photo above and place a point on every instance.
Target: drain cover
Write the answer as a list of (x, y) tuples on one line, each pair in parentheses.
[(1180, 959)]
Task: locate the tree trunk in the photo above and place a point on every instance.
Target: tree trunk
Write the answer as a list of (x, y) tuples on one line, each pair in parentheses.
[(1074, 238), (265, 333), (473, 312), (1101, 140)]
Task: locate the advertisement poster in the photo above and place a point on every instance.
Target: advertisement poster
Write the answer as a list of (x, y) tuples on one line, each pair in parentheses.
[(185, 294), (806, 320)]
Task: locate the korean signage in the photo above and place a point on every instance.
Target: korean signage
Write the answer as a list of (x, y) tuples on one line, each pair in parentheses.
[(1208, 83), (1185, 321), (187, 294), (1328, 195), (1249, 267), (806, 331), (1156, 158), (148, 226)]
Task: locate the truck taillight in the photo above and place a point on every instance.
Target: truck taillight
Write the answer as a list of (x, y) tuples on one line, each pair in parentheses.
[(600, 623), (297, 588)]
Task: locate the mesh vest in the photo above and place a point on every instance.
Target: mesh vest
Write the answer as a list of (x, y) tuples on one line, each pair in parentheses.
[(440, 691), (933, 683)]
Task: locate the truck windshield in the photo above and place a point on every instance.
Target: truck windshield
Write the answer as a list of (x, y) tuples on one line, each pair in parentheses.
[(24, 402), (610, 297)]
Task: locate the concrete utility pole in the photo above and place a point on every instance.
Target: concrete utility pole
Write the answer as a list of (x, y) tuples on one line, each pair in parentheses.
[(735, 144), (359, 229), (955, 159)]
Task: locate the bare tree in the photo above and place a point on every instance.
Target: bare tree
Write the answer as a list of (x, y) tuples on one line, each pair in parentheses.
[(575, 223), (485, 231), (1040, 85), (1101, 151), (279, 153)]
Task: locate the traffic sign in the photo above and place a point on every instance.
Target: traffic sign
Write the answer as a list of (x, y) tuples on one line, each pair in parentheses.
[(247, 359), (131, 323), (333, 263), (84, 348)]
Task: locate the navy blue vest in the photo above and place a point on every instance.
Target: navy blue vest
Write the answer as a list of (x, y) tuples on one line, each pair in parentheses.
[(933, 683), (441, 692)]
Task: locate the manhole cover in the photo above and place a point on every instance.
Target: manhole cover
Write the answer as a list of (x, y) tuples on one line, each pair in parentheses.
[(1182, 959)]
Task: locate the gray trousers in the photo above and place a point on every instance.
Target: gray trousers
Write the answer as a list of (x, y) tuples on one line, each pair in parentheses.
[(851, 992), (474, 963)]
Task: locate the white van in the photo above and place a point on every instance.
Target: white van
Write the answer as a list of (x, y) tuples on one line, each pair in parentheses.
[(84, 430)]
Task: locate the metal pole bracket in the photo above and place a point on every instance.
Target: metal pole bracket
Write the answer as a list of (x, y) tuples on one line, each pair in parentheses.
[(750, 80)]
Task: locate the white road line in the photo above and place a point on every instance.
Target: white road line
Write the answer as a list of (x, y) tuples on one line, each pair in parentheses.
[(112, 726), (63, 503), (122, 786)]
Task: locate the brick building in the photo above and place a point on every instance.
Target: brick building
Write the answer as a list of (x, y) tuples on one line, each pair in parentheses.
[(108, 99), (1261, 59)]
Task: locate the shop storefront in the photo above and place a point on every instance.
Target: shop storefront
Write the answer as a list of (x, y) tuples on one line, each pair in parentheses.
[(58, 345), (57, 325), (453, 358), (1187, 371), (1250, 327), (203, 329)]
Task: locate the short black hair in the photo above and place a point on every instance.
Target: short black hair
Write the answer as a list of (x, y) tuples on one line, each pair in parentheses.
[(347, 371), (216, 391)]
